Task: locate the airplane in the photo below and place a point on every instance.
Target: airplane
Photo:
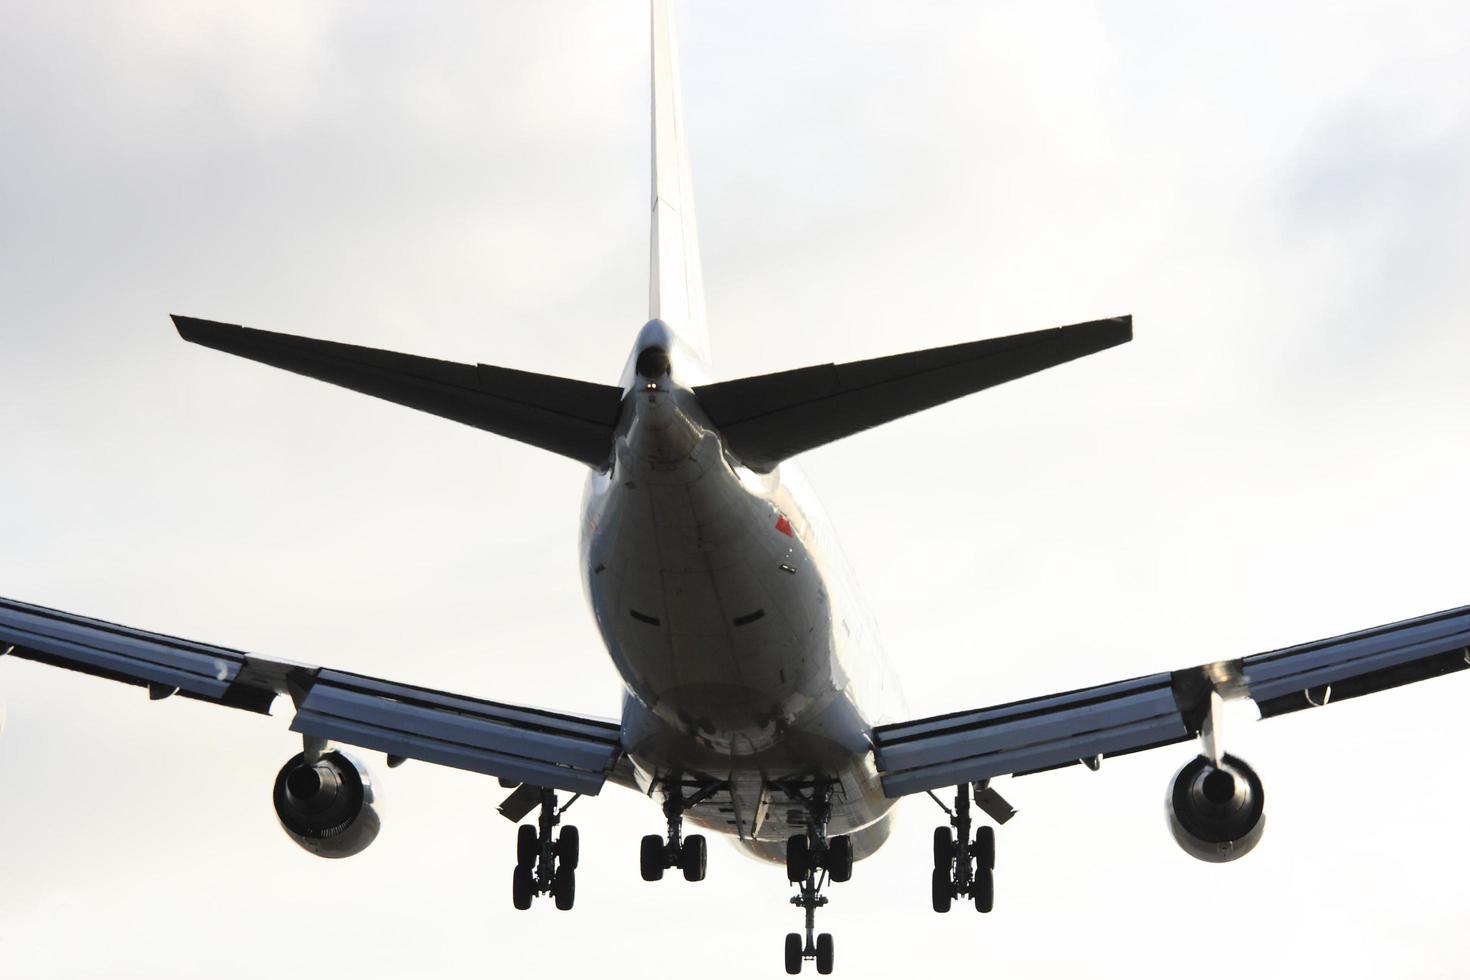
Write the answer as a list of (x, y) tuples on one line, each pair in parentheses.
[(757, 703)]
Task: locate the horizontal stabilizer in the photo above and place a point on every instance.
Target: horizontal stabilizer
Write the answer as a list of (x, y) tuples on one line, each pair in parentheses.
[(570, 418), (771, 417)]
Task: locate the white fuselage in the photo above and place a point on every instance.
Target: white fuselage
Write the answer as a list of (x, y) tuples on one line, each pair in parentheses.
[(725, 605)]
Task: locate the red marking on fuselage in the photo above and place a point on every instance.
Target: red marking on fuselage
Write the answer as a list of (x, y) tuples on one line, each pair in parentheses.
[(784, 526)]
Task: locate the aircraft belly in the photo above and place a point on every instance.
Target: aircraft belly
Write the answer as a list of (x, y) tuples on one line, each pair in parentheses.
[(719, 615), (717, 621)]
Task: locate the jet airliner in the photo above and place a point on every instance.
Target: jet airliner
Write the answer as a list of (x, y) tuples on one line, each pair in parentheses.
[(757, 704)]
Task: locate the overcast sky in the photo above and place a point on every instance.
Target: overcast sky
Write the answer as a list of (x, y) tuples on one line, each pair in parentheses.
[(1280, 194)]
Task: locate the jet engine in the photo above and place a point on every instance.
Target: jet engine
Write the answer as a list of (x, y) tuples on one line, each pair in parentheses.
[(329, 808), (1217, 812)]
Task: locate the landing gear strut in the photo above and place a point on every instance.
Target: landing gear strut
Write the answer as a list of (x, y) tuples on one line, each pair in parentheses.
[(813, 859), (963, 867), (688, 854), (546, 862)]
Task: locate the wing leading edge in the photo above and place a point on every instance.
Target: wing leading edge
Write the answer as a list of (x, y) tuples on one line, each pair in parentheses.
[(1162, 709), (524, 745)]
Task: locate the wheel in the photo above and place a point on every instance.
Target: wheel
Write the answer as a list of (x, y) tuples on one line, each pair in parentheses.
[(528, 847), (824, 953), (793, 953), (943, 848), (839, 857), (798, 857), (651, 858), (564, 888), (984, 889), (984, 847), (942, 894), (521, 886), (692, 857), (569, 847)]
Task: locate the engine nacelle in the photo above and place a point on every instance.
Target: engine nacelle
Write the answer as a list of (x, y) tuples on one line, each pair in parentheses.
[(1217, 813), (329, 808)]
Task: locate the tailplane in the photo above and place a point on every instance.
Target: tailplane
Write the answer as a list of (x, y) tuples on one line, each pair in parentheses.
[(571, 418), (768, 418)]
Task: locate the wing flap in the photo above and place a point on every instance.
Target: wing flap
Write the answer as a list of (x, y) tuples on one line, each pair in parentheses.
[(475, 735), (1161, 709), (1359, 663), (105, 649), (528, 745), (1027, 736)]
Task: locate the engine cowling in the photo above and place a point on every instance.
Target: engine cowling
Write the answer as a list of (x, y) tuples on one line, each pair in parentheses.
[(1217, 813), (330, 808)]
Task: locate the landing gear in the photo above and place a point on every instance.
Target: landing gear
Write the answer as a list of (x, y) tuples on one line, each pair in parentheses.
[(814, 850), (689, 854), (546, 862), (963, 867), (816, 947), (813, 859)]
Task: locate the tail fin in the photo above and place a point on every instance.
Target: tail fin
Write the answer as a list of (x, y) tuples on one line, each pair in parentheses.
[(676, 281), (570, 418), (768, 418)]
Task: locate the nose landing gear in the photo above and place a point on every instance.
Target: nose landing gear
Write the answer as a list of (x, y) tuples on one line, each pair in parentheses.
[(813, 859), (816, 947)]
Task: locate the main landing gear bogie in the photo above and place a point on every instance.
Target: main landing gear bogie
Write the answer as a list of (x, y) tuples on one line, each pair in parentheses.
[(803, 857), (546, 862), (689, 854), (963, 867), (653, 857)]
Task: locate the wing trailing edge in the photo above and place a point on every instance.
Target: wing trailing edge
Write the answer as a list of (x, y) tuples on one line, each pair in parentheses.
[(1058, 730), (548, 749), (771, 417), (571, 418)]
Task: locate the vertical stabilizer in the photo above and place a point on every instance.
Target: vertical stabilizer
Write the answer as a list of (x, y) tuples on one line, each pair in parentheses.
[(676, 282)]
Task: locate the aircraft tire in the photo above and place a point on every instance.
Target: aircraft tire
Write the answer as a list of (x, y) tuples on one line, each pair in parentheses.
[(564, 888), (569, 847), (793, 953), (839, 857), (651, 858), (943, 848), (798, 858), (984, 889), (693, 856), (521, 887), (528, 846), (824, 953), (984, 848), (941, 895)]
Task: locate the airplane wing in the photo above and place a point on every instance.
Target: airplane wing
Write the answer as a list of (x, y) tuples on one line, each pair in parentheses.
[(523, 745), (1161, 709)]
